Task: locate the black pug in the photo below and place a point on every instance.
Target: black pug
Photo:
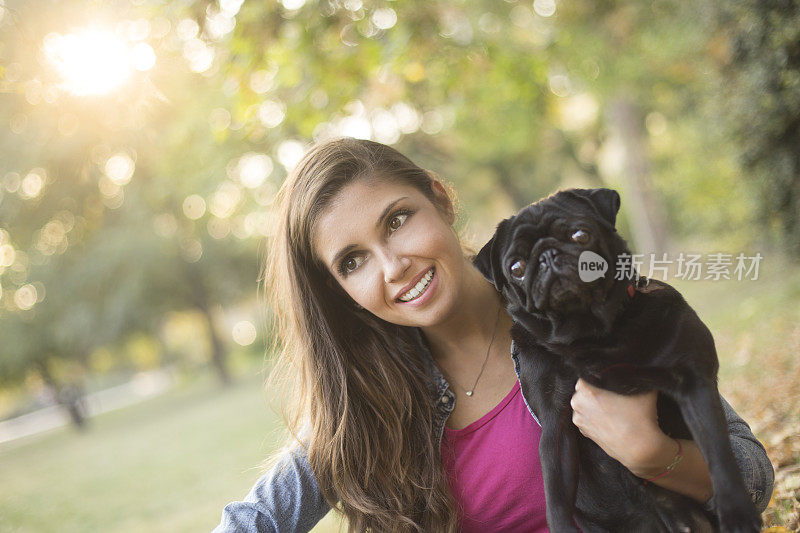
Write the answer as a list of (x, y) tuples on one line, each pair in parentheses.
[(620, 335)]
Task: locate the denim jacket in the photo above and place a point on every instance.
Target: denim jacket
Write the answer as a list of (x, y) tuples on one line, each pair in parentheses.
[(287, 498)]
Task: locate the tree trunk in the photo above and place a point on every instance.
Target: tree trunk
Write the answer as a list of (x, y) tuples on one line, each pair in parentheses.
[(219, 355), (647, 217), (70, 396)]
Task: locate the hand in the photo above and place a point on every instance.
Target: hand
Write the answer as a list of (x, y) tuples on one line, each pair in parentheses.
[(624, 426)]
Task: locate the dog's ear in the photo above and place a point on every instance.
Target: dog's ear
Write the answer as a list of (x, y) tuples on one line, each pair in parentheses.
[(488, 259), (606, 201)]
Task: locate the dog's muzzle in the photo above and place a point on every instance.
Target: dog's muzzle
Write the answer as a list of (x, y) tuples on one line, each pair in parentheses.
[(556, 284)]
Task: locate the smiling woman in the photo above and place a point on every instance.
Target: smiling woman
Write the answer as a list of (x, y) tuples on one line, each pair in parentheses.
[(365, 257)]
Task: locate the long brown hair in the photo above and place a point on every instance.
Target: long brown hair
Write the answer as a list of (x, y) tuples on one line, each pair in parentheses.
[(360, 400)]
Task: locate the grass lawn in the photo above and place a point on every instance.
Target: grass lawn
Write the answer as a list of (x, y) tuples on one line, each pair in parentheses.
[(170, 464), (756, 327)]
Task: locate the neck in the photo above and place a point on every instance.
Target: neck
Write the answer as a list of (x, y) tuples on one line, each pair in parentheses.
[(466, 333)]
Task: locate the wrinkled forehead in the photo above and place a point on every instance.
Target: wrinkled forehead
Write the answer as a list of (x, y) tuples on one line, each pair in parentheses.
[(556, 217), (555, 210)]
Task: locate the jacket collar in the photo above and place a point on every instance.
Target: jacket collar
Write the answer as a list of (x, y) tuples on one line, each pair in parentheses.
[(437, 383)]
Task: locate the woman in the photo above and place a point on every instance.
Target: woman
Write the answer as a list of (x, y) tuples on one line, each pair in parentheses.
[(408, 414)]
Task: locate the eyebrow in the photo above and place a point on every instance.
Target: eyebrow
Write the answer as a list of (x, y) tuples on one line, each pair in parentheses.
[(385, 213)]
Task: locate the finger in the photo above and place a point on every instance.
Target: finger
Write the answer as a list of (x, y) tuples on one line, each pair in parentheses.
[(588, 388), (577, 422)]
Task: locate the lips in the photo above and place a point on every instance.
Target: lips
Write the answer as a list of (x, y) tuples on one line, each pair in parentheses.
[(412, 284)]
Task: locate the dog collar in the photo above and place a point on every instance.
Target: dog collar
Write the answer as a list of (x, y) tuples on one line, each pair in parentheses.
[(641, 283)]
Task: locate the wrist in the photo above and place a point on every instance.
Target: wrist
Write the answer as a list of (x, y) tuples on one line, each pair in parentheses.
[(657, 452)]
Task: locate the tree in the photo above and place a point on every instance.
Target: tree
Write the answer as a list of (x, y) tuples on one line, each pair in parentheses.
[(758, 62)]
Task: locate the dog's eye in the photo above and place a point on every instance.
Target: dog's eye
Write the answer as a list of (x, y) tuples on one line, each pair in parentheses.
[(518, 269), (580, 236)]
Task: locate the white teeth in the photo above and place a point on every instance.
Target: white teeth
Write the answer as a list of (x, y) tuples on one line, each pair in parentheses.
[(419, 288)]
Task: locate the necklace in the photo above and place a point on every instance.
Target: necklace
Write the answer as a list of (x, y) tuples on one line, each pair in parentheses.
[(488, 350)]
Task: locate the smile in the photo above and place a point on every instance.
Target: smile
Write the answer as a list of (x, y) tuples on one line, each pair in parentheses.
[(418, 289)]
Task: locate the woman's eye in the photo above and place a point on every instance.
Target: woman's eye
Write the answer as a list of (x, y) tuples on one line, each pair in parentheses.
[(397, 220), (351, 263)]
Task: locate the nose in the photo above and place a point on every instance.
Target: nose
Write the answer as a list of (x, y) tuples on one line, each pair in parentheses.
[(550, 259), (394, 266)]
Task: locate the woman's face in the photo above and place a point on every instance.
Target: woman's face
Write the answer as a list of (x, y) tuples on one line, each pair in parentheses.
[(393, 250)]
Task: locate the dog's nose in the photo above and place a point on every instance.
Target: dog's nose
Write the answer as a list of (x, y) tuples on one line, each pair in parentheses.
[(547, 258)]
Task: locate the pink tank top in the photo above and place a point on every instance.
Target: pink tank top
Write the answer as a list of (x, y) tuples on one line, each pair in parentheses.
[(494, 470)]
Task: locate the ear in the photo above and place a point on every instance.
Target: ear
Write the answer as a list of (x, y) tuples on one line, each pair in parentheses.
[(606, 201), (488, 260), (443, 201)]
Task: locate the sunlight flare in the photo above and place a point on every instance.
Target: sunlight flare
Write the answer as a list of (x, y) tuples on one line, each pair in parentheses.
[(93, 61)]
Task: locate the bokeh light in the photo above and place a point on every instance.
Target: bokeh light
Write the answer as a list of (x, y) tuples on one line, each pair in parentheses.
[(199, 55), (262, 81), (219, 228), (25, 297), (108, 188), (656, 123), (119, 168), (293, 4), (544, 8), (271, 113), (191, 250), (11, 181), (244, 333), (52, 237), (7, 255), (33, 183), (384, 18), (578, 112), (218, 25), (230, 7), (560, 85), (253, 168), (289, 153), (142, 57), (194, 206), (225, 200)]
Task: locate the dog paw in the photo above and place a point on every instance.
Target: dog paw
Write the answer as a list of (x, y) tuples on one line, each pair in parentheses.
[(742, 520)]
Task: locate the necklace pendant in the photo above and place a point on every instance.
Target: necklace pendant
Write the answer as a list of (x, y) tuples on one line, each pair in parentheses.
[(469, 393)]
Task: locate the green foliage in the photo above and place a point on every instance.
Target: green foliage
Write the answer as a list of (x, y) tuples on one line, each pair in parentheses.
[(759, 67), (505, 100)]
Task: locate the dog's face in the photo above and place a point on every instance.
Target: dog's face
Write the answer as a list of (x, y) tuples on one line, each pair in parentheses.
[(533, 258)]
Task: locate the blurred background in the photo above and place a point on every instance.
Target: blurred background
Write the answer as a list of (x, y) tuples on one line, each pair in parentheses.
[(142, 141)]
